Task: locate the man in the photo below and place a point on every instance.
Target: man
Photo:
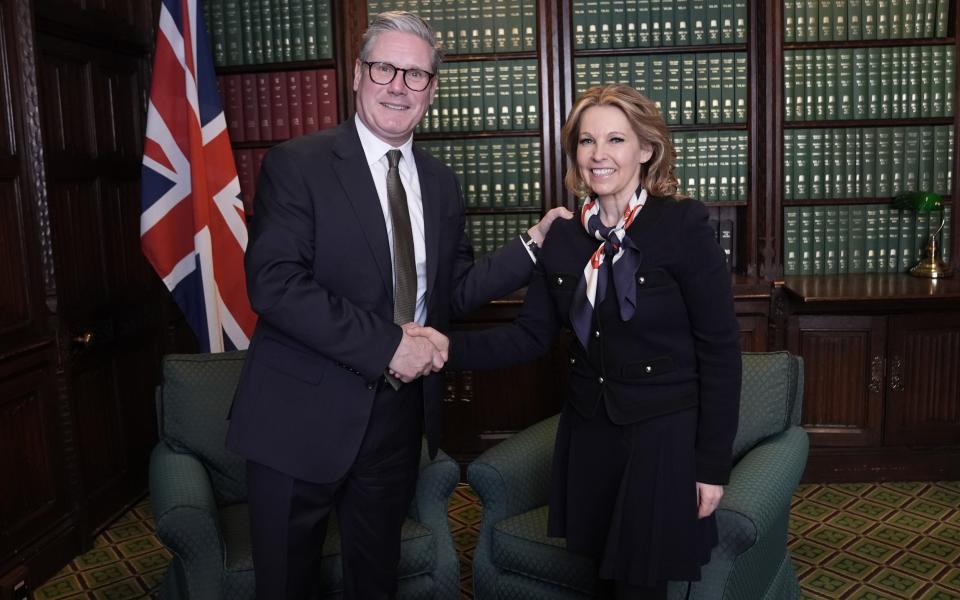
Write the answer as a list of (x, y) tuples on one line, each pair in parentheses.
[(330, 407)]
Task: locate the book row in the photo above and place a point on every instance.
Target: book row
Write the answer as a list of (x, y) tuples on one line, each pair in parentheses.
[(874, 238), (280, 105), (500, 95), (655, 23), (839, 20), (712, 165), (248, 161), (248, 32), (866, 162), (868, 83), (689, 89), (489, 232), (474, 27), (494, 172)]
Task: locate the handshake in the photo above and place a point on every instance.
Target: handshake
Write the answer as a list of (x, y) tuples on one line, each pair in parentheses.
[(422, 350)]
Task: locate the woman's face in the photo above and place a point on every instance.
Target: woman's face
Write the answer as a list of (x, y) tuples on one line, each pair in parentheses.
[(609, 153)]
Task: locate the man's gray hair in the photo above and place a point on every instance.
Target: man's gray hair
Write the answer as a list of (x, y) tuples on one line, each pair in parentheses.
[(405, 22)]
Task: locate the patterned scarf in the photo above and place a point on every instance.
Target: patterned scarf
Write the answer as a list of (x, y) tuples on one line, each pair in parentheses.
[(616, 248)]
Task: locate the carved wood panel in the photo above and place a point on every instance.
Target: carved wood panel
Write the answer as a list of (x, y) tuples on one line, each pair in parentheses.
[(923, 382), (30, 467), (843, 377)]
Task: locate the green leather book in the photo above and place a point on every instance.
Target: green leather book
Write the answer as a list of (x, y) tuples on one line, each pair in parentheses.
[(801, 165), (515, 25), (883, 243), (286, 27), (713, 166), (825, 17), (911, 158), (657, 68), (740, 21), (800, 20), (656, 35), (789, 23), (742, 168), (605, 24), (886, 83), (618, 21), (490, 97), (484, 174), (529, 24), (854, 28), (246, 20), (625, 71), (857, 250), (894, 21), (713, 22), (536, 171), (926, 80), (593, 23), (843, 239), (452, 97), (907, 19), (505, 97), (788, 185), (935, 92), (831, 240), (830, 75), (474, 95), (799, 85), (884, 179), (828, 162), (945, 234), (806, 241), (668, 34), (816, 164), (791, 240), (925, 162), (868, 19), (703, 88), (897, 142), (921, 233), (500, 228), (868, 150), (611, 70), (698, 22), (914, 83), (703, 170), (728, 87), (810, 84), (580, 82), (908, 227), (694, 166), (874, 86), (233, 30), (740, 91), (883, 19), (839, 20), (893, 239), (920, 19), (473, 11), (948, 58), (897, 83), (851, 143), (941, 166), (811, 8), (276, 17), (531, 95), (681, 29), (838, 143), (643, 21), (310, 28), (674, 91), (471, 190), (518, 91), (523, 164), (942, 18), (688, 89), (511, 173), (298, 45), (726, 173), (820, 75), (324, 29), (859, 91), (579, 17), (819, 239), (630, 24), (218, 33)]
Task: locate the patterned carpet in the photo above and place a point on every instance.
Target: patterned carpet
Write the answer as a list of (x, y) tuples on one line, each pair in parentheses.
[(889, 541)]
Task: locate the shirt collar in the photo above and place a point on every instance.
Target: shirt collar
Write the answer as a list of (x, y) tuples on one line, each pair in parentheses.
[(375, 149)]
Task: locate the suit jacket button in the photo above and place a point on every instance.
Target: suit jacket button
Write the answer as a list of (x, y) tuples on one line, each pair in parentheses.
[(573, 361), (600, 379), (559, 280), (641, 280), (596, 333), (648, 369), (371, 385)]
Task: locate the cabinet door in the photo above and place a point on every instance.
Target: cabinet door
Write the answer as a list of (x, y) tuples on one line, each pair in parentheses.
[(923, 380), (843, 377)]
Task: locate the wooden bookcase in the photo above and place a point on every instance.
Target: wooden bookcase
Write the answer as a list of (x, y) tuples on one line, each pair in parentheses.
[(482, 408)]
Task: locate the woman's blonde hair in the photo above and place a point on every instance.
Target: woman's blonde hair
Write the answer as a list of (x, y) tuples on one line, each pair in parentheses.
[(656, 175)]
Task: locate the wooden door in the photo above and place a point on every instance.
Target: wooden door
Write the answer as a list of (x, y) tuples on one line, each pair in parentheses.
[(108, 302), (923, 380), (843, 377)]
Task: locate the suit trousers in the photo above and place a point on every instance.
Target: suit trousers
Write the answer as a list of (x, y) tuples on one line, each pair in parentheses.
[(289, 516)]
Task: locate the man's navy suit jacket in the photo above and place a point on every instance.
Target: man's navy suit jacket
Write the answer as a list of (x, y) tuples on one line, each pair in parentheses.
[(319, 276)]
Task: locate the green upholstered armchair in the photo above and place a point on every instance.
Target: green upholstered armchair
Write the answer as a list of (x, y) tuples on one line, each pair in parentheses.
[(515, 559), (198, 492)]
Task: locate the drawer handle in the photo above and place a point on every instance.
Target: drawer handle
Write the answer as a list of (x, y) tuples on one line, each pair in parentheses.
[(896, 374), (876, 374)]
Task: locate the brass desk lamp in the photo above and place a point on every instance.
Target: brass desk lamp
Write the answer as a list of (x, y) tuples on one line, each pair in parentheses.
[(930, 265)]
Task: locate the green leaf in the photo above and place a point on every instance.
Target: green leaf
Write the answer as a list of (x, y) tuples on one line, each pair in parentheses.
[(918, 201)]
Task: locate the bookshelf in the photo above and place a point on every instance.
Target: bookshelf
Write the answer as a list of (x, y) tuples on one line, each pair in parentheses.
[(745, 132), (863, 107)]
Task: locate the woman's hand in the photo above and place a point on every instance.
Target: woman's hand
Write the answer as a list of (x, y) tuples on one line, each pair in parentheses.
[(708, 497)]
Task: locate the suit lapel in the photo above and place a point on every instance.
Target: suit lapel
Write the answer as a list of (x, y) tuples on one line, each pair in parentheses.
[(432, 209), (350, 165)]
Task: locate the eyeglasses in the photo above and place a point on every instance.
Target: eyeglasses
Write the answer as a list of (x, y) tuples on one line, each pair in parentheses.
[(382, 73)]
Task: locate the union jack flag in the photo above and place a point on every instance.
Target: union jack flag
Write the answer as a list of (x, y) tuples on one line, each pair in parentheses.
[(192, 227)]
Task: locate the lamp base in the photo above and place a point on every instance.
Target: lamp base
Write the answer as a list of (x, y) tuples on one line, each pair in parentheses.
[(930, 266)]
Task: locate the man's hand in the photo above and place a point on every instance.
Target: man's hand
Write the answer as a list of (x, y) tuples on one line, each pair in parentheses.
[(422, 350), (539, 231), (708, 497)]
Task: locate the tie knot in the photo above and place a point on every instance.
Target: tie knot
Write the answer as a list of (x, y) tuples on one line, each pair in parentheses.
[(393, 158)]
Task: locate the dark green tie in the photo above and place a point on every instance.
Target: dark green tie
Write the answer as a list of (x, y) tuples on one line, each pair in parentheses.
[(404, 262)]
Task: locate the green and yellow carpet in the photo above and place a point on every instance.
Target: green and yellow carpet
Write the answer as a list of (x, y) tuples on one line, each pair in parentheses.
[(855, 541)]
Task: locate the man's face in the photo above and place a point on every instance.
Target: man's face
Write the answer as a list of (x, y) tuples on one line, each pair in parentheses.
[(392, 111)]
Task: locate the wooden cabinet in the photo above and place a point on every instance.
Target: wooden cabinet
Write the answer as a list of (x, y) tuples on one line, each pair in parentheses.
[(882, 374), (483, 407)]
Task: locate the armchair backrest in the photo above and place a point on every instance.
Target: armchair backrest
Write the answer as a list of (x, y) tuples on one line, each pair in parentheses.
[(193, 402), (771, 396)]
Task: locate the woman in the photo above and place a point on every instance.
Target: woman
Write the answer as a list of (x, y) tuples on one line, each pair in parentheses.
[(644, 443)]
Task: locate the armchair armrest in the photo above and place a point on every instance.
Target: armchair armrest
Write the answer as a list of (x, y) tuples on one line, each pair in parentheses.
[(514, 476), (185, 511), (437, 480), (755, 510)]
